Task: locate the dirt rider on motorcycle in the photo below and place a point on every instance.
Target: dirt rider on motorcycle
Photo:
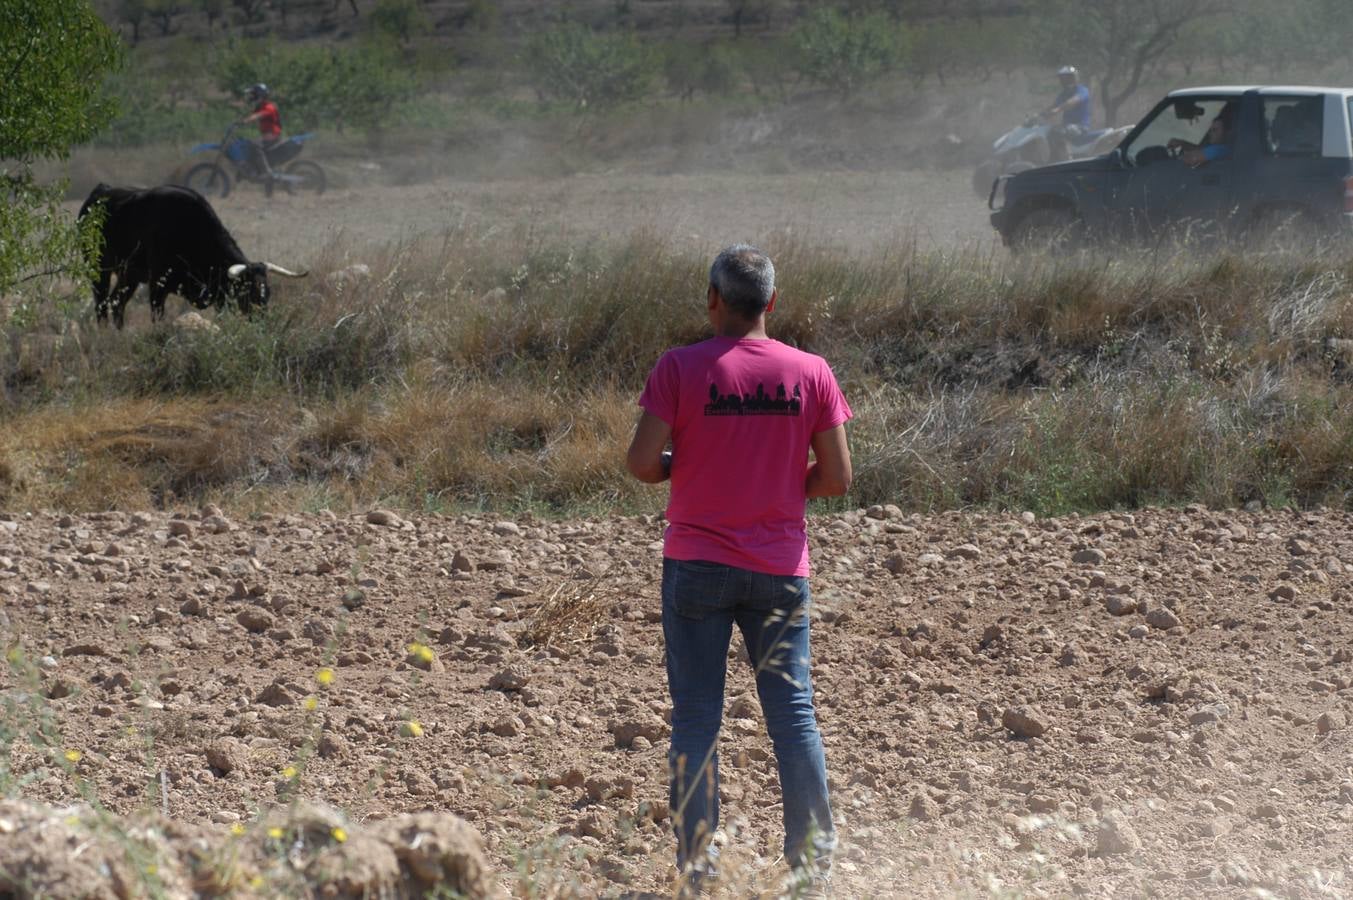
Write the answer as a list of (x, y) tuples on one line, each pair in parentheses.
[(269, 127), (1073, 105)]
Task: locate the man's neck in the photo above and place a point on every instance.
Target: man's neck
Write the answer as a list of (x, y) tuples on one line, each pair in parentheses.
[(739, 329)]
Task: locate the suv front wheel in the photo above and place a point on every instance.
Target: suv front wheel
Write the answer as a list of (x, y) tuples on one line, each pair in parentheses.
[(1046, 229)]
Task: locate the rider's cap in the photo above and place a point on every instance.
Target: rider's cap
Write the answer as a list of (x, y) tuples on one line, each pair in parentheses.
[(258, 90), (1067, 70)]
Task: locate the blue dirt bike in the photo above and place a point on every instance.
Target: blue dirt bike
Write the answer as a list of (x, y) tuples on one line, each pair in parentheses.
[(210, 179)]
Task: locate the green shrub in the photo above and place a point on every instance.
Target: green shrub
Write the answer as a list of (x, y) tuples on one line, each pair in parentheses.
[(844, 53), (710, 69), (573, 64), (399, 19), (55, 53)]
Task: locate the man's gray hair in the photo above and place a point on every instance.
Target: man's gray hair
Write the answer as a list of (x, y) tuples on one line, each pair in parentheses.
[(744, 278)]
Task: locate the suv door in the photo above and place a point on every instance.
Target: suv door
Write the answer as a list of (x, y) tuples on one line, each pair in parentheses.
[(1153, 187), (1291, 176)]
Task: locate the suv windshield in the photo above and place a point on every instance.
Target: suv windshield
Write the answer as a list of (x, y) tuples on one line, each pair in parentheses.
[(1185, 121)]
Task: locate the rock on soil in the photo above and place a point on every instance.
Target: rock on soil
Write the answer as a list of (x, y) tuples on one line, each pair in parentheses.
[(1024, 721), (66, 852), (1116, 835)]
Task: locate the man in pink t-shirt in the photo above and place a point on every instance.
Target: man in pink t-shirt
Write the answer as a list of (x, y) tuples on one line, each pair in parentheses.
[(741, 412)]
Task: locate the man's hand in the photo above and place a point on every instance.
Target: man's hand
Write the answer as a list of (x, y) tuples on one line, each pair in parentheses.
[(1194, 157), (648, 459)]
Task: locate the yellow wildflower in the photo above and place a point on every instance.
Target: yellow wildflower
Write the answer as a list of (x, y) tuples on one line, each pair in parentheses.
[(411, 728), (310, 703), (325, 676), (73, 756), (339, 835), (275, 833), (289, 772), (237, 829)]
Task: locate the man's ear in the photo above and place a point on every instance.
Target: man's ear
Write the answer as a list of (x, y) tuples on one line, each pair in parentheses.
[(774, 295), (712, 297)]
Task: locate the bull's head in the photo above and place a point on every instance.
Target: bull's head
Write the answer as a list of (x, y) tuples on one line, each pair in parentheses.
[(249, 283)]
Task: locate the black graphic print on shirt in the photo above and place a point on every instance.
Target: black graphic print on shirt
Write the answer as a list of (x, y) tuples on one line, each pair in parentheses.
[(758, 404)]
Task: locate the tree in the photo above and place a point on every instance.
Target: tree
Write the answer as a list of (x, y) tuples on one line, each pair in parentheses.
[(710, 68), (163, 12), (845, 52), (1122, 40), (400, 19), (742, 12), (213, 10), (573, 63), (53, 58), (133, 12), (252, 10)]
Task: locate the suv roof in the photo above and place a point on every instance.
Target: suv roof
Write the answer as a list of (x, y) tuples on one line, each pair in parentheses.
[(1237, 90)]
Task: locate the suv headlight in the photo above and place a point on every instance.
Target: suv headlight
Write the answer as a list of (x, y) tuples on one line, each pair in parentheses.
[(997, 199)]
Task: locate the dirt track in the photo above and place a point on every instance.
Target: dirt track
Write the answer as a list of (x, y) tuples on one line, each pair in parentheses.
[(859, 211), (986, 713)]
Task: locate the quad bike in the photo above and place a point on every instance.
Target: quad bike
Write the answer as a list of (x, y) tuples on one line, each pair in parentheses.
[(211, 179), (1033, 144)]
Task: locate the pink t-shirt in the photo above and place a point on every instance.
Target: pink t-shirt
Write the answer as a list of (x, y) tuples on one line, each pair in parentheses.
[(743, 413)]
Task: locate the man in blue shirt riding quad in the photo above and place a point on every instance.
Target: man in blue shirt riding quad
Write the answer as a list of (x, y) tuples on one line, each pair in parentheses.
[(1073, 105), (1073, 101)]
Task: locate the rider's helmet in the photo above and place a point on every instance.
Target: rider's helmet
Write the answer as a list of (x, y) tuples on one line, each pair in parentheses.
[(257, 92), (1068, 74)]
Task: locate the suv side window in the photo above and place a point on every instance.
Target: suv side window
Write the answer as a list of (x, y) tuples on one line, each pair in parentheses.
[(1293, 126), (1187, 120)]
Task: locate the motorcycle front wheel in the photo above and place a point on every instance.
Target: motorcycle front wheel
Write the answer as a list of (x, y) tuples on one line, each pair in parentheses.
[(208, 179), (305, 176)]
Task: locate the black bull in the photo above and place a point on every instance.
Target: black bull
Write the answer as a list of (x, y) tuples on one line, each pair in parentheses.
[(170, 239)]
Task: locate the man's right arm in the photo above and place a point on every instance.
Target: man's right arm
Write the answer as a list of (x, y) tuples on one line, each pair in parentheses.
[(647, 459), (830, 474)]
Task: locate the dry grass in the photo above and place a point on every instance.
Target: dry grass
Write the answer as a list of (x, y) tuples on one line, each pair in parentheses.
[(491, 371), (571, 611)]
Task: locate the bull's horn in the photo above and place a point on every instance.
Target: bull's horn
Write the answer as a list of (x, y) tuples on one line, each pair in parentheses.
[(236, 270), (273, 267)]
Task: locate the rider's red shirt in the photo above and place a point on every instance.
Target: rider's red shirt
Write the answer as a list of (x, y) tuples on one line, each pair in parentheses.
[(269, 120)]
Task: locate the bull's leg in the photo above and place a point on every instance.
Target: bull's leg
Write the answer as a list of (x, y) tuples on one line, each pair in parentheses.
[(158, 292), (118, 300), (101, 296)]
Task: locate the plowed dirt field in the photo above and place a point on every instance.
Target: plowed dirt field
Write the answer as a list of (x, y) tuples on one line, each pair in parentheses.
[(1145, 704)]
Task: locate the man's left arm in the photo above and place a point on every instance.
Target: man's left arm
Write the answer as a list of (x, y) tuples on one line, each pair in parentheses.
[(647, 459)]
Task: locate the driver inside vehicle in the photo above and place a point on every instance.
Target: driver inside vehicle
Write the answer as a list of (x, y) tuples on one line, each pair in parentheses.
[(1216, 143)]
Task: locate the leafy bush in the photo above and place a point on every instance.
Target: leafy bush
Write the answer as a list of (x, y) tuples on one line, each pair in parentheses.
[(55, 53), (710, 69), (844, 53), (400, 19), (576, 65)]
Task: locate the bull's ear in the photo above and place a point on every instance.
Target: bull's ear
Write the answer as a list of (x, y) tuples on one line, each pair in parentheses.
[(236, 270)]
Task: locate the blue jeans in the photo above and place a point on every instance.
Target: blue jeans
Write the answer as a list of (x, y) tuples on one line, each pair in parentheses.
[(700, 603)]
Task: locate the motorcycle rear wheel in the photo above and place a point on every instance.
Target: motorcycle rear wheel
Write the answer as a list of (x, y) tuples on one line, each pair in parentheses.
[(311, 177), (208, 179)]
